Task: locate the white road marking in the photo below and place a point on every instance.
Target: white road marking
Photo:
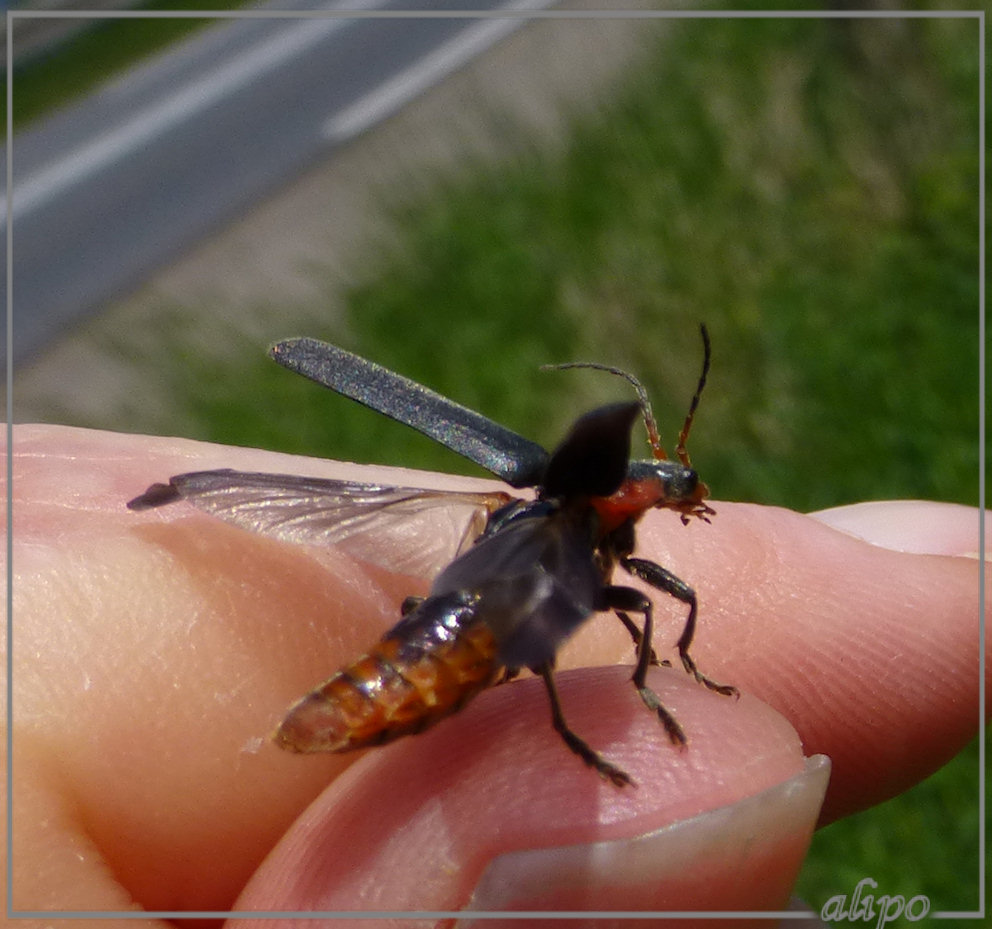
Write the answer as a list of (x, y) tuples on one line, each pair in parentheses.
[(410, 83), (116, 144)]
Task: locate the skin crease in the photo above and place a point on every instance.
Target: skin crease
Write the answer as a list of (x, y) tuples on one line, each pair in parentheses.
[(155, 652)]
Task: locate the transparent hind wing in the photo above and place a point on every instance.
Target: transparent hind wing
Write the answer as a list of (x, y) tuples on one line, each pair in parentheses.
[(404, 529)]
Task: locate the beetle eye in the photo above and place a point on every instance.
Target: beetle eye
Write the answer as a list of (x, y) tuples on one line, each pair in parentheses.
[(681, 484)]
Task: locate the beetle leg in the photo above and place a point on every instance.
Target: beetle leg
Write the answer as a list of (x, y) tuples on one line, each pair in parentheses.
[(636, 635), (508, 675), (409, 604), (659, 577), (581, 748), (627, 598)]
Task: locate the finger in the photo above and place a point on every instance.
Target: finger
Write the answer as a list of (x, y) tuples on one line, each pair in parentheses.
[(415, 825), (56, 866), (152, 660)]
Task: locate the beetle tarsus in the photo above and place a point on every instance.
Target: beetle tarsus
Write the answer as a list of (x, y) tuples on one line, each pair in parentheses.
[(727, 690), (653, 702)]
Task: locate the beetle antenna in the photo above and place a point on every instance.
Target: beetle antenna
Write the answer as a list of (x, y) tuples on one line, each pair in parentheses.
[(683, 455), (642, 397)]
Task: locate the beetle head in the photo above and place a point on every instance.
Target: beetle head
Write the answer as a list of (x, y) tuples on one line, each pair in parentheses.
[(667, 485)]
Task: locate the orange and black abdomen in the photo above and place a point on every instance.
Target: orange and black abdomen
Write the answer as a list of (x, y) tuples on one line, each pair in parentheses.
[(425, 668)]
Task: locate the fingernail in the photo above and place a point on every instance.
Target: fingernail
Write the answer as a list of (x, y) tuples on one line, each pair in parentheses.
[(917, 526), (744, 856)]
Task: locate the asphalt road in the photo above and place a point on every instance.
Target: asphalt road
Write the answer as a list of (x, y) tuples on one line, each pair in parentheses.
[(109, 190)]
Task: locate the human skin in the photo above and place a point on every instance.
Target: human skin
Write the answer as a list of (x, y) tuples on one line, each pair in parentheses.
[(155, 652)]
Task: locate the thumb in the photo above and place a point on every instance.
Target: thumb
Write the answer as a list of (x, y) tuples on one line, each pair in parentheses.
[(491, 812)]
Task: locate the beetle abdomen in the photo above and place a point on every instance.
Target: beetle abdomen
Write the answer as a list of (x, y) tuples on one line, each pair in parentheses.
[(427, 667)]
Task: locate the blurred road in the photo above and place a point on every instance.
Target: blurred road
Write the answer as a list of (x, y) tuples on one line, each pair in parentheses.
[(109, 190)]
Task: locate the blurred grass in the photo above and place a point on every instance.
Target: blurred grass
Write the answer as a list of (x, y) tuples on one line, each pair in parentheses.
[(809, 189)]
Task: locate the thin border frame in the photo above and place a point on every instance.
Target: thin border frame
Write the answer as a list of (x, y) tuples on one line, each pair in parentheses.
[(12, 16)]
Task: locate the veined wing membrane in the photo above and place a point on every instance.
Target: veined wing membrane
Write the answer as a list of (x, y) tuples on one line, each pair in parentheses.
[(405, 529)]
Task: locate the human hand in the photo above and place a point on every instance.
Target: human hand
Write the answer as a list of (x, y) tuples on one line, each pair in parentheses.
[(154, 653)]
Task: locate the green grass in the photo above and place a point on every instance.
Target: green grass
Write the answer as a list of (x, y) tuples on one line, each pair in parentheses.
[(764, 192), (807, 188), (105, 47), (924, 841)]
